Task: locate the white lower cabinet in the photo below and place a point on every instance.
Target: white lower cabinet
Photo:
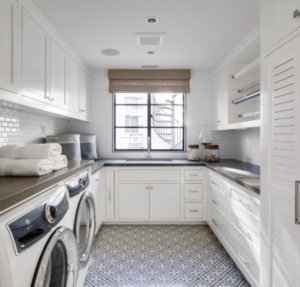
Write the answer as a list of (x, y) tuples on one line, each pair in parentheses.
[(110, 194), (233, 215), (165, 201), (133, 201), (193, 210), (97, 193)]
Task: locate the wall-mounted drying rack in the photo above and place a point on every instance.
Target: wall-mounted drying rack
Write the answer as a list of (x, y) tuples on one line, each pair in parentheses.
[(247, 97), (249, 86), (248, 115), (246, 69)]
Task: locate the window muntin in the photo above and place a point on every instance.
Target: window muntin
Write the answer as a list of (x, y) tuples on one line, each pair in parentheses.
[(159, 116)]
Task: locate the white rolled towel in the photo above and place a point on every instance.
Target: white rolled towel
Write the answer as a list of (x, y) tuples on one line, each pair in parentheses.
[(31, 151), (60, 162), (25, 167)]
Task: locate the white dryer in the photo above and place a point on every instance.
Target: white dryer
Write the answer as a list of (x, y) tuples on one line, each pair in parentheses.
[(83, 205), (37, 243)]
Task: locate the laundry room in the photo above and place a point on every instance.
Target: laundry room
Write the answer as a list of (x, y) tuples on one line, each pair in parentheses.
[(149, 143)]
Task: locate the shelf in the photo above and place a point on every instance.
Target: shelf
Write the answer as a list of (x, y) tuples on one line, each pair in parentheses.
[(239, 126)]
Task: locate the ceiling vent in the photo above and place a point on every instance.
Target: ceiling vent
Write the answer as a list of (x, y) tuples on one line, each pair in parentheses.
[(150, 39), (149, 67)]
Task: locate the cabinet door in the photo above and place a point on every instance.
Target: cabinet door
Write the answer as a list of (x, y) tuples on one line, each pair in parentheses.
[(74, 86), (110, 194), (278, 20), (280, 236), (165, 201), (8, 46), (84, 92), (133, 201), (36, 60), (58, 76)]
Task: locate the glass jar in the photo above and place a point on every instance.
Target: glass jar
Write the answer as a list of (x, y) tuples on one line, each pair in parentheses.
[(193, 153), (206, 135), (212, 153)]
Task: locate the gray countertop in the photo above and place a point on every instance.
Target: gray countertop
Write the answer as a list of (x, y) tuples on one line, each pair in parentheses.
[(14, 190), (245, 174)]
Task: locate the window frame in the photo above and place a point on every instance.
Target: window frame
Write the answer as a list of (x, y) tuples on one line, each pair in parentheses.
[(149, 127)]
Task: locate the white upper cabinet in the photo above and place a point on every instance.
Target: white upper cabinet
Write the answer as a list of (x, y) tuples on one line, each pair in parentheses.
[(74, 89), (58, 76), (36, 58), (84, 92), (220, 97), (278, 20), (8, 46)]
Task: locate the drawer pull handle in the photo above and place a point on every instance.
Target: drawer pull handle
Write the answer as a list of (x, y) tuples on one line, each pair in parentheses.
[(194, 191), (109, 194), (241, 256), (193, 174), (244, 204), (214, 222), (240, 227), (214, 202), (193, 210)]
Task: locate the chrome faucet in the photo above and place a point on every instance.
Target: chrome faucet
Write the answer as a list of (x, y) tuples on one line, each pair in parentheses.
[(148, 155)]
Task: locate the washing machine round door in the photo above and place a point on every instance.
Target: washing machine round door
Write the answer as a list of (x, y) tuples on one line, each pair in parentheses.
[(59, 263), (85, 225)]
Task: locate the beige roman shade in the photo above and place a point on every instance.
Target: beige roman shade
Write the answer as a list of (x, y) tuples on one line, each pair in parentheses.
[(139, 81)]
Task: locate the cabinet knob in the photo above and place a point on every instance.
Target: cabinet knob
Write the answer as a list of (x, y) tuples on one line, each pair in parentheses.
[(147, 187), (296, 14)]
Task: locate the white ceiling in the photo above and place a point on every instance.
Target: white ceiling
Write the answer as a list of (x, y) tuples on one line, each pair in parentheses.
[(199, 33)]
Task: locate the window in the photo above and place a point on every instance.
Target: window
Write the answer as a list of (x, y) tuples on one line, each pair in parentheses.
[(157, 116)]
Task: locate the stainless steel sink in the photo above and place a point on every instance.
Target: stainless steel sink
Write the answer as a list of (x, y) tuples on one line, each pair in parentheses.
[(148, 160)]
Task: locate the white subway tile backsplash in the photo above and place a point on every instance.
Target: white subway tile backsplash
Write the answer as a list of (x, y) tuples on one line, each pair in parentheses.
[(19, 126)]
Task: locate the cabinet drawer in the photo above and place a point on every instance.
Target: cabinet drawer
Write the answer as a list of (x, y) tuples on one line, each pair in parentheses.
[(214, 183), (193, 210), (247, 261), (149, 175), (246, 234), (193, 174), (217, 202), (219, 224), (245, 201), (193, 191)]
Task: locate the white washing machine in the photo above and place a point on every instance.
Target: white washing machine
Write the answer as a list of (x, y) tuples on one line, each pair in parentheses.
[(37, 243), (83, 206)]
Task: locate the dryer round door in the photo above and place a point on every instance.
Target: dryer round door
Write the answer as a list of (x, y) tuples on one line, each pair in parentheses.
[(59, 263), (85, 227)]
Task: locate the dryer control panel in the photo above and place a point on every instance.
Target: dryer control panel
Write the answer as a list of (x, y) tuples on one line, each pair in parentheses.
[(78, 183), (32, 226)]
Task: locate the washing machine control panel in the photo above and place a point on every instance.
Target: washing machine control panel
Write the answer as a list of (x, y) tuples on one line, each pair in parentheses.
[(78, 183), (35, 224)]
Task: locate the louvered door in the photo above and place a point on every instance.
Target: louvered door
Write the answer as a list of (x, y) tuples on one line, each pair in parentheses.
[(280, 167)]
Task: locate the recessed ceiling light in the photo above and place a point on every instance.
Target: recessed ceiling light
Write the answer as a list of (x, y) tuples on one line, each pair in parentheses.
[(110, 52), (150, 52), (151, 20)]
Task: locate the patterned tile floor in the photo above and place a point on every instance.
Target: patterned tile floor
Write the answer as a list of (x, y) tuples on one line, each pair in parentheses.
[(161, 255)]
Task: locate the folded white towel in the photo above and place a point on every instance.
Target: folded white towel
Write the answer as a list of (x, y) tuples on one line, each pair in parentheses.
[(32, 151), (60, 162), (28, 167)]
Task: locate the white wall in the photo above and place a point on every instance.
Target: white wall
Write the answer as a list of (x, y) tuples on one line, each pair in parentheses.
[(18, 126), (199, 109)]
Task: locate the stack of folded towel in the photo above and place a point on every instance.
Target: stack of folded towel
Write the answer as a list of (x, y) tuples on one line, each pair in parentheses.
[(31, 160)]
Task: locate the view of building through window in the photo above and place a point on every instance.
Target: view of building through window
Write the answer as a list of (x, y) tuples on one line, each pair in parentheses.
[(159, 116)]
